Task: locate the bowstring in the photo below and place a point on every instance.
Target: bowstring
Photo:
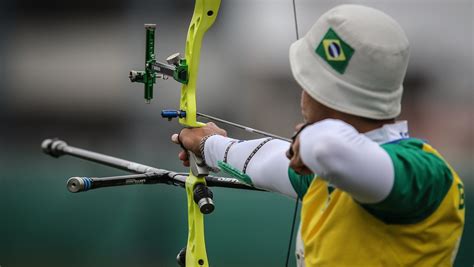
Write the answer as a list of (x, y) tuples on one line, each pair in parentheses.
[(297, 201)]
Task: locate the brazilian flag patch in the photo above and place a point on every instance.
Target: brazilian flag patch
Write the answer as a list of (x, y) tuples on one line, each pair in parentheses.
[(335, 51)]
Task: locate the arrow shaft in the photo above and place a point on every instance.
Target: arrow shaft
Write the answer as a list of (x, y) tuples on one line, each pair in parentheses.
[(243, 127)]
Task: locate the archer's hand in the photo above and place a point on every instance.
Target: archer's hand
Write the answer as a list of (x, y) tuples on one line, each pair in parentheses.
[(190, 139), (293, 154)]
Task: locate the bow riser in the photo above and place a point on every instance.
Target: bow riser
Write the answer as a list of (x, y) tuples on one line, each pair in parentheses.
[(205, 13)]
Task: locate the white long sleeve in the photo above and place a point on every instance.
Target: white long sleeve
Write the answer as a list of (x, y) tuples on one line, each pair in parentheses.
[(267, 168), (347, 159), (332, 149)]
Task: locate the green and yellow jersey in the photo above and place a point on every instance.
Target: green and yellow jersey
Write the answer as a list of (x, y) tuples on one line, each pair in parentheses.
[(419, 223)]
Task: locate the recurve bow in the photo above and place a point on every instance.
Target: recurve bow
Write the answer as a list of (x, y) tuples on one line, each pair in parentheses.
[(185, 70)]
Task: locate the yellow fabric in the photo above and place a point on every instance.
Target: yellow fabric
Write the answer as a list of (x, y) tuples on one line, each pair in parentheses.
[(337, 231)]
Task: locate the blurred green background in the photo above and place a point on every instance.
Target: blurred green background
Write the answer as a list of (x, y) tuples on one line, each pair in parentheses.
[(64, 73)]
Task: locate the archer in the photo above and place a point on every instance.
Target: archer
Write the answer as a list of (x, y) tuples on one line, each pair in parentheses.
[(371, 194)]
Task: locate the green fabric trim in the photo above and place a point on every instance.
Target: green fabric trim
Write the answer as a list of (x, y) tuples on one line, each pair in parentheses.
[(422, 180), (234, 172), (299, 182)]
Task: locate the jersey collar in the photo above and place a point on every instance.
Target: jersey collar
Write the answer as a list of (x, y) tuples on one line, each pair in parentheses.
[(389, 132)]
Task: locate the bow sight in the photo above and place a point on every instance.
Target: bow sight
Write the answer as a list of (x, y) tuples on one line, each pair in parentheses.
[(176, 67)]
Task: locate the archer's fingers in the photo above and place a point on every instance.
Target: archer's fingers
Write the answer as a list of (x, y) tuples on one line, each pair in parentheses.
[(294, 149), (298, 166), (183, 155), (289, 153), (216, 129), (299, 126), (175, 138)]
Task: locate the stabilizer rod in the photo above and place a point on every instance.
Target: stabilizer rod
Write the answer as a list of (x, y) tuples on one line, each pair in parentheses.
[(81, 184), (146, 174)]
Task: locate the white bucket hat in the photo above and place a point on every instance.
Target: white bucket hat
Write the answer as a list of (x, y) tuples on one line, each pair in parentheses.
[(353, 60)]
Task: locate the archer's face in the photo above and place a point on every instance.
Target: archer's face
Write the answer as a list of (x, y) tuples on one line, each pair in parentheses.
[(312, 110)]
